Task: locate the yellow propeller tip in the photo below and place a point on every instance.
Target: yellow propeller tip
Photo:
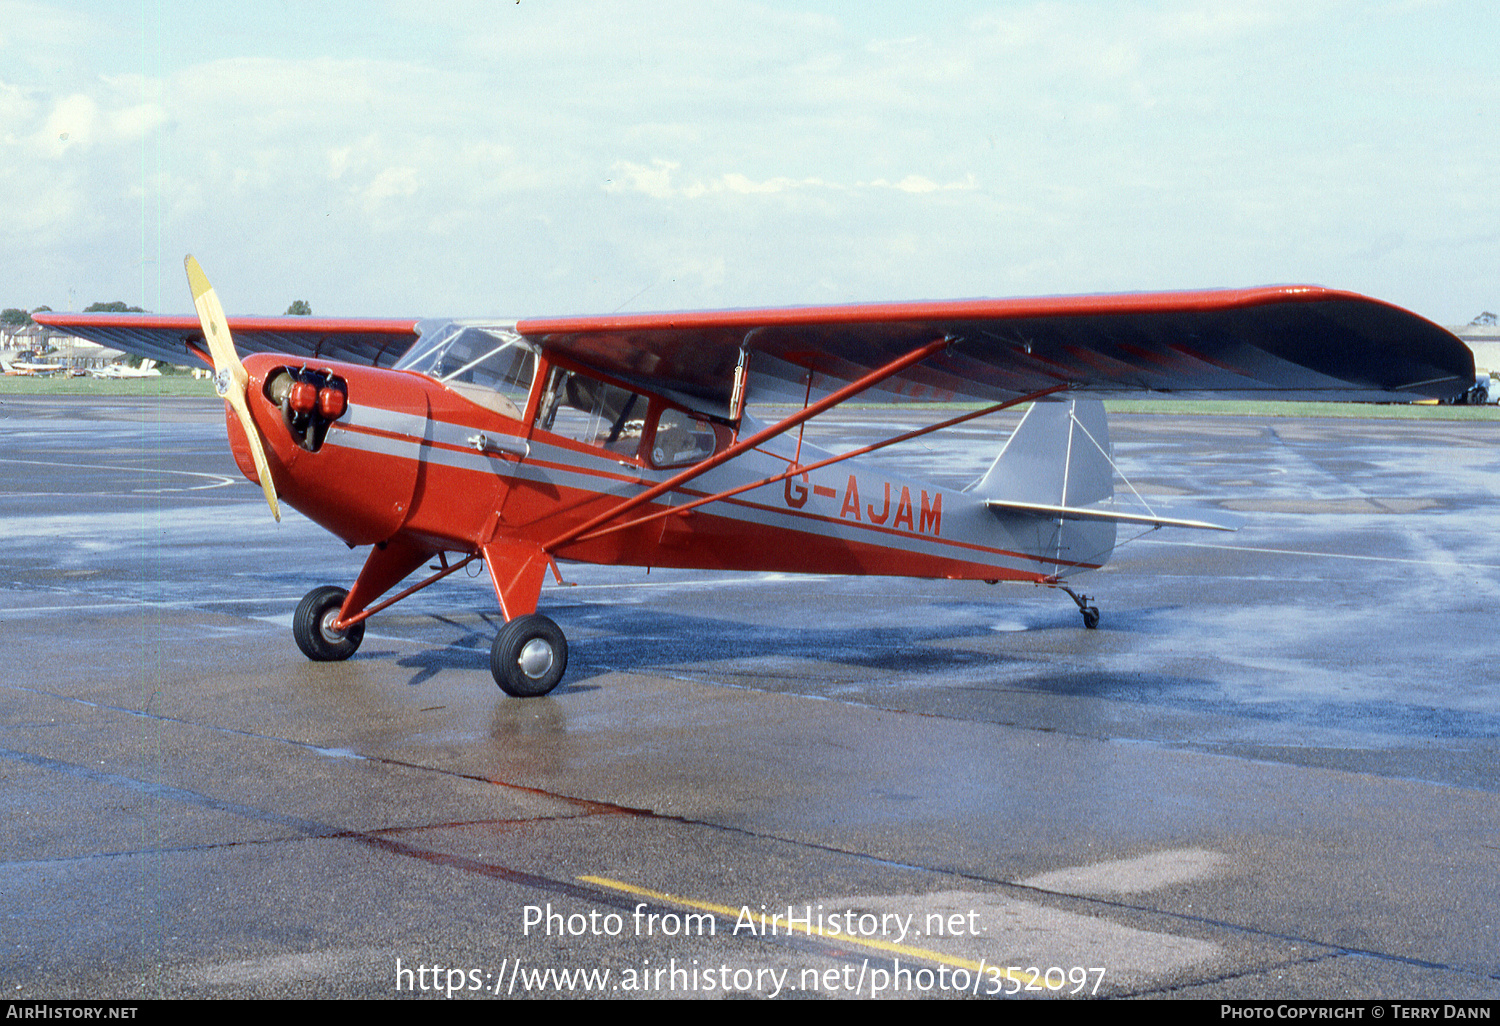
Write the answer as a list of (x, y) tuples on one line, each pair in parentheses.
[(197, 280)]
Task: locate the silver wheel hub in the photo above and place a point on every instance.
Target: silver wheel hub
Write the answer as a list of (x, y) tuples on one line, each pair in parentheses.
[(536, 658), (325, 626)]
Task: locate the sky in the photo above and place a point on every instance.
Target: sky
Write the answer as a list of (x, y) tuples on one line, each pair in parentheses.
[(458, 158)]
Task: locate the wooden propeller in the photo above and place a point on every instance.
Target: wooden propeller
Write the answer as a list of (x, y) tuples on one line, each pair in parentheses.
[(230, 377)]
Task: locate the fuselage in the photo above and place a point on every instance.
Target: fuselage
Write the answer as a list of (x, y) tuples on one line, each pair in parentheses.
[(410, 456)]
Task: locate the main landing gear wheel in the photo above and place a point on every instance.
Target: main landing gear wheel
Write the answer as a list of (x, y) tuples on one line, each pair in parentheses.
[(312, 626), (529, 656)]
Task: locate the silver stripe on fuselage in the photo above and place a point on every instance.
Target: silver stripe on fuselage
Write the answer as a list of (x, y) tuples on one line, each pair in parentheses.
[(414, 437)]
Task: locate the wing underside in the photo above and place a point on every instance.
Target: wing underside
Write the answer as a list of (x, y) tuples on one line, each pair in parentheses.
[(1280, 342), (166, 338)]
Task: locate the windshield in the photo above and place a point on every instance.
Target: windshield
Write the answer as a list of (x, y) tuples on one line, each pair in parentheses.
[(492, 357)]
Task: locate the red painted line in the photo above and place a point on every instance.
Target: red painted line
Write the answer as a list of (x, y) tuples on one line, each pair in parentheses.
[(935, 539)]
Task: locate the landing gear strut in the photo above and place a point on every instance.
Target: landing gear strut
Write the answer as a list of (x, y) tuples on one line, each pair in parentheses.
[(528, 658), (1090, 613)]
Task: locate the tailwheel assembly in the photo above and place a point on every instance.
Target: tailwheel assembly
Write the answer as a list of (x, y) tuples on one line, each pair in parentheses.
[(312, 626), (1090, 613), (529, 656)]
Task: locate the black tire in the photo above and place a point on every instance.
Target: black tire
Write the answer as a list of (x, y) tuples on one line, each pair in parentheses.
[(312, 626), (1091, 618), (529, 656)]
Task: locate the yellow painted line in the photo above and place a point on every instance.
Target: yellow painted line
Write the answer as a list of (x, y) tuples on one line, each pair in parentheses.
[(786, 929)]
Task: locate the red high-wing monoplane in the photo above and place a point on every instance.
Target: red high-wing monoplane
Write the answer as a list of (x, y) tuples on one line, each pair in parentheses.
[(625, 439)]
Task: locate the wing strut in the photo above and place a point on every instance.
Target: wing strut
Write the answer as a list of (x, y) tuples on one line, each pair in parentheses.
[(797, 468), (850, 390)]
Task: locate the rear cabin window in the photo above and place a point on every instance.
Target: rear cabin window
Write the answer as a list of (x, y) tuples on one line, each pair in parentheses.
[(681, 439)]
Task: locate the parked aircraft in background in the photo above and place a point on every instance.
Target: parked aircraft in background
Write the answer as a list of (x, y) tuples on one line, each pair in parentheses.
[(27, 367), (147, 369)]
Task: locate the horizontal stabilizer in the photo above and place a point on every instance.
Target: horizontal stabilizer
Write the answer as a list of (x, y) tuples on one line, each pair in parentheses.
[(1115, 516)]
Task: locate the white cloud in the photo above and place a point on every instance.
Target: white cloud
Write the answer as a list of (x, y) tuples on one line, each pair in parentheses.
[(656, 181), (562, 157), (69, 125), (391, 183)]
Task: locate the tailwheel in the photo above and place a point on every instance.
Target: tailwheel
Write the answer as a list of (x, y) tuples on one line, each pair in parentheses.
[(1090, 613), (312, 626), (529, 656)]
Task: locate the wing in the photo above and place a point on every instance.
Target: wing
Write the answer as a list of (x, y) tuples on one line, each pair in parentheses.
[(375, 343), (1282, 342)]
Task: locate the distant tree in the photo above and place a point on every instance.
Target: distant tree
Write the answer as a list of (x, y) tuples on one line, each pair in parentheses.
[(118, 306), (300, 308), (13, 318), (1486, 318)]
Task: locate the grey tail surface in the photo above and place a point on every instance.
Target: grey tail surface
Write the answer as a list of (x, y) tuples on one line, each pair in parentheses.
[(1058, 455), (1049, 480)]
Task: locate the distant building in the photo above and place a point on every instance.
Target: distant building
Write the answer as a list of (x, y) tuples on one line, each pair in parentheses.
[(24, 336), (57, 347), (1482, 335)]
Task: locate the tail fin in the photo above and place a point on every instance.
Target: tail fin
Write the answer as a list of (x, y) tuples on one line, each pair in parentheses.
[(1056, 464), (1057, 456)]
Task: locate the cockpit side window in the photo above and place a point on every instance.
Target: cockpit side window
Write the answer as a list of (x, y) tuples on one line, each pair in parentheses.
[(593, 412)]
